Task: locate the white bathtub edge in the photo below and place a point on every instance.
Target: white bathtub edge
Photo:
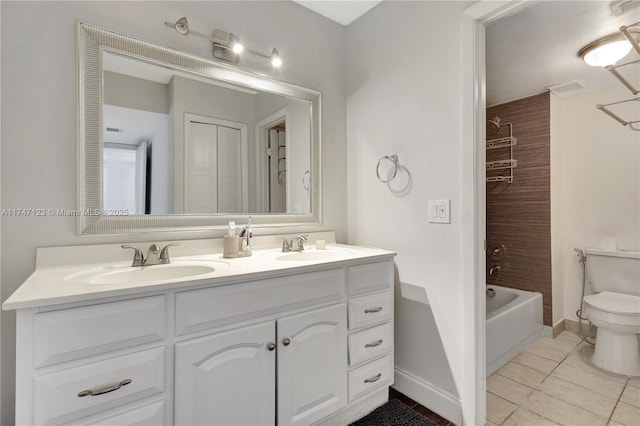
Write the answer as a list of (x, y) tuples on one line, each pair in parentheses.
[(495, 365)]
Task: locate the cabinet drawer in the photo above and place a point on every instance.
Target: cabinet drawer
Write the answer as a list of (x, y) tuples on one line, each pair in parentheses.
[(150, 415), (55, 395), (369, 277), (70, 334), (368, 344), (208, 308), (374, 375), (368, 310)]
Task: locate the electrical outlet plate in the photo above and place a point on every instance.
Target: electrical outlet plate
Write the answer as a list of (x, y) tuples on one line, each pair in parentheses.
[(439, 211)]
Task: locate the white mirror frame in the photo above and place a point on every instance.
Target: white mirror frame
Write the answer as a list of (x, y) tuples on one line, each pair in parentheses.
[(91, 42)]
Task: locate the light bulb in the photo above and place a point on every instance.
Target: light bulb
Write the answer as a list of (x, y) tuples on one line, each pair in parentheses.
[(235, 44), (607, 54), (275, 58)]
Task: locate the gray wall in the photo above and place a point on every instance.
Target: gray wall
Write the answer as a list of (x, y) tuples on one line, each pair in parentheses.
[(136, 93), (39, 109)]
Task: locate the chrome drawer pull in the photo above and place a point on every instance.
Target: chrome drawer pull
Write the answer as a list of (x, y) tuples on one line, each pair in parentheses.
[(373, 310), (373, 379), (105, 389), (374, 344)]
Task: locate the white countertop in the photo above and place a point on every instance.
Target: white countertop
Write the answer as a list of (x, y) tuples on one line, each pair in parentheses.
[(52, 285)]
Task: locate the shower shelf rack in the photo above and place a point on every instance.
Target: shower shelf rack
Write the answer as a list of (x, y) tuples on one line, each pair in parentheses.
[(500, 179), (502, 164), (502, 142)]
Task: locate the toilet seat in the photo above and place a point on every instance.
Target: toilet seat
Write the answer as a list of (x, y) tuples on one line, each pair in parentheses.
[(615, 303)]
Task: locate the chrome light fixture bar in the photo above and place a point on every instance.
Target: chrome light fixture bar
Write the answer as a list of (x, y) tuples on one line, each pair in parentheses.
[(226, 46), (633, 124)]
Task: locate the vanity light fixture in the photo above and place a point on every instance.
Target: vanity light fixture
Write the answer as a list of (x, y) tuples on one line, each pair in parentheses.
[(609, 49), (226, 46)]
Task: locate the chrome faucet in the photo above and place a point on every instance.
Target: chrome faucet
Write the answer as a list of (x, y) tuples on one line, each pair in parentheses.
[(296, 244), (155, 256), (493, 269)]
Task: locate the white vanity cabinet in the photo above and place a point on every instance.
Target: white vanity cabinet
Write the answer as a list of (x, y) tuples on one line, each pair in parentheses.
[(229, 378), (294, 347)]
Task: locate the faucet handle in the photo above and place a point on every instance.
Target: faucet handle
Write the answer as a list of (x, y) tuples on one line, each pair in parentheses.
[(138, 257), (164, 253), (286, 247)]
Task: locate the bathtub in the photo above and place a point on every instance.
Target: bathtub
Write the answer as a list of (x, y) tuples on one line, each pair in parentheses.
[(514, 321)]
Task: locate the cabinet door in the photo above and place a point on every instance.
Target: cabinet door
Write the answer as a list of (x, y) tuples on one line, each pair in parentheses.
[(312, 365), (227, 378)]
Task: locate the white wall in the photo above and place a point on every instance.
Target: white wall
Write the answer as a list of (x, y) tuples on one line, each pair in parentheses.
[(595, 182), (403, 88), (39, 109)]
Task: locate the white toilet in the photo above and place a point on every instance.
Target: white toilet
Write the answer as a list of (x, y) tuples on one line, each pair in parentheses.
[(615, 309)]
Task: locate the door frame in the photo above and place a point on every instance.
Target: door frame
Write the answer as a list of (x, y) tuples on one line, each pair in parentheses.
[(244, 157), (261, 139), (473, 126)]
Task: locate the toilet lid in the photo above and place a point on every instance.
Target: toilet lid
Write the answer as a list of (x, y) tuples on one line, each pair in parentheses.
[(617, 303)]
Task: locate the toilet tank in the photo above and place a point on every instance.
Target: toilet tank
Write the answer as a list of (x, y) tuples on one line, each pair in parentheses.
[(614, 270)]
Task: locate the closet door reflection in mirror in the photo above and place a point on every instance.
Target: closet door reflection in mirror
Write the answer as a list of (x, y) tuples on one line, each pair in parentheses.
[(209, 146)]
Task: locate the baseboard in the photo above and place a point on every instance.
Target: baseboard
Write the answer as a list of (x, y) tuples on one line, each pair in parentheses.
[(356, 410), (435, 399), (548, 331), (574, 326), (557, 329)]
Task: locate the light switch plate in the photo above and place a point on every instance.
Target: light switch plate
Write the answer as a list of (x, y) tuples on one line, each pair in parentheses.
[(439, 211)]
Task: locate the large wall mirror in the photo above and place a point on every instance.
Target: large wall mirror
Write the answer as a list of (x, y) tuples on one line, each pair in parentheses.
[(171, 141)]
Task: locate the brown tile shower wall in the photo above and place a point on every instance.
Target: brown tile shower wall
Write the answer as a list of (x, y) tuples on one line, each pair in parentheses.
[(519, 214)]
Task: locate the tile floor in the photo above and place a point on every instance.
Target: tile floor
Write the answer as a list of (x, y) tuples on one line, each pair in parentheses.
[(554, 383)]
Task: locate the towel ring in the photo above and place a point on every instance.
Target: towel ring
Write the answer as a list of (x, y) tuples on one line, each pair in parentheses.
[(394, 160), (306, 174)]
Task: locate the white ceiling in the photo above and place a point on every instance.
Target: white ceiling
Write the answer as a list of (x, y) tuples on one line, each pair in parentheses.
[(343, 12), (538, 47)]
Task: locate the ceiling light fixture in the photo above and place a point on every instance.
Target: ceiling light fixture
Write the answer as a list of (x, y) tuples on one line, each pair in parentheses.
[(606, 50), (276, 61), (226, 46)]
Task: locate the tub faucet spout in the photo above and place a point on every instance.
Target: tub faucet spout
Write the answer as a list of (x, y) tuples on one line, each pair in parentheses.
[(494, 269)]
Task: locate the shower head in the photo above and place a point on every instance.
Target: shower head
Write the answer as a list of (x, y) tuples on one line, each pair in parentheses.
[(496, 122)]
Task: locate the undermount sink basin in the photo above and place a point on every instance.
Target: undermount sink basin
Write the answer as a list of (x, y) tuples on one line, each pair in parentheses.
[(310, 255), (174, 271)]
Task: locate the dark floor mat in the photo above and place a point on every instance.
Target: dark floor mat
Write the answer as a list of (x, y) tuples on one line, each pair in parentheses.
[(393, 413)]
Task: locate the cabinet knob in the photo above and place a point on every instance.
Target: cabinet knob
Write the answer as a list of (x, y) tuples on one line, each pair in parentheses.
[(271, 347), (286, 341)]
